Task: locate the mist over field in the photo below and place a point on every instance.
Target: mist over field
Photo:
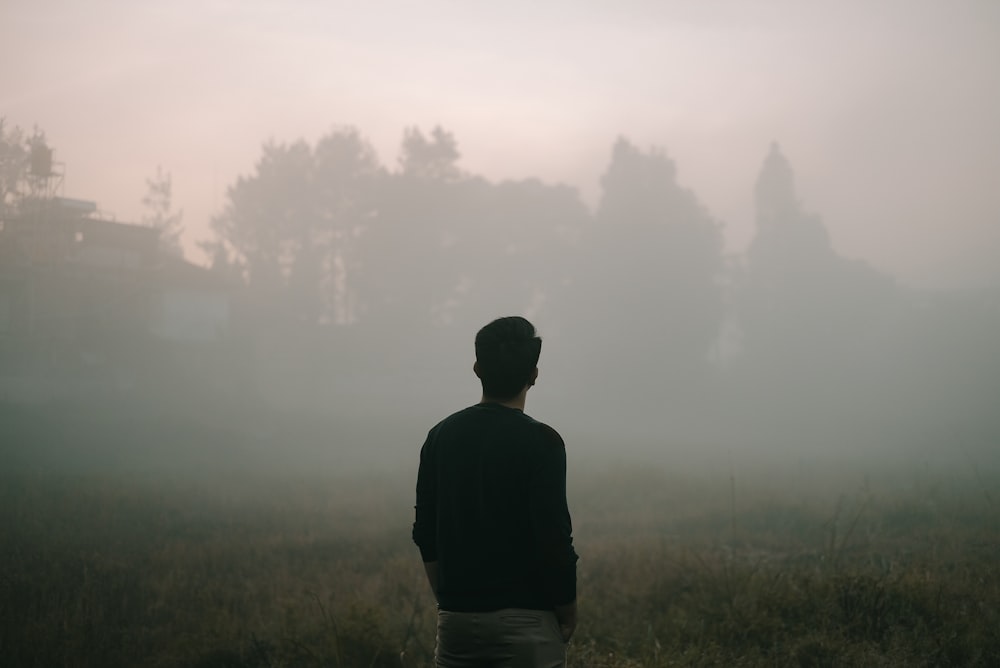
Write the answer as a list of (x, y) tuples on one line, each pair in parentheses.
[(750, 238), (245, 249), (334, 323)]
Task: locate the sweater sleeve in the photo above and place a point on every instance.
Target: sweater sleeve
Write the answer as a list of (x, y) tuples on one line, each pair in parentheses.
[(551, 523), (425, 524)]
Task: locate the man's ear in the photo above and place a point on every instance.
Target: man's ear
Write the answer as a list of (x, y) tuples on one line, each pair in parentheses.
[(533, 377), (475, 369)]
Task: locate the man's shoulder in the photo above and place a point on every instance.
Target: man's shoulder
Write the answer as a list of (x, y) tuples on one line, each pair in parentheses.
[(455, 420), (514, 418), (457, 416), (549, 435)]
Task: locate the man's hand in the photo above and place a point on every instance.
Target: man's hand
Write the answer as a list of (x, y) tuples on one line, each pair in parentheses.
[(566, 616)]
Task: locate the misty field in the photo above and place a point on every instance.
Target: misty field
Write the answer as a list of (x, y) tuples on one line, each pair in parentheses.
[(218, 569)]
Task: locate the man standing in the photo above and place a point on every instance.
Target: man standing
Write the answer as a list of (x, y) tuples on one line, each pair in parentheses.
[(492, 523)]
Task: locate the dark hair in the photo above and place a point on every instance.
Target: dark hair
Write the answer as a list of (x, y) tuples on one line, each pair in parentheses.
[(507, 352)]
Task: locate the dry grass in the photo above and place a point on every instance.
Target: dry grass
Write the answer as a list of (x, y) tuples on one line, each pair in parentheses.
[(311, 571)]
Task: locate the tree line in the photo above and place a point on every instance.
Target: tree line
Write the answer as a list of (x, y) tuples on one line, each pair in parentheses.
[(393, 266), (357, 279)]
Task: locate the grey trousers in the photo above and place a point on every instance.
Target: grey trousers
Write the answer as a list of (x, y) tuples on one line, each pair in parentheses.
[(509, 638)]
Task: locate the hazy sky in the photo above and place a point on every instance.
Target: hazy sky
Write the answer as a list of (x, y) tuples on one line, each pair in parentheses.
[(888, 110)]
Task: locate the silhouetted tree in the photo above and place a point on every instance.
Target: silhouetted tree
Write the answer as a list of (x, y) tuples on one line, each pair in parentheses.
[(649, 277), (435, 158), (293, 226), (160, 215), (349, 181), (410, 251), (15, 160), (449, 247), (520, 247)]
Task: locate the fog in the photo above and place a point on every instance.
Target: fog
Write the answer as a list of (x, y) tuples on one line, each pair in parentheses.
[(246, 245), (761, 235), (887, 111)]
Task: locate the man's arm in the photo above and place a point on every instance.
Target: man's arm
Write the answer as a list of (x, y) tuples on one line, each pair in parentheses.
[(431, 568), (425, 522), (553, 527)]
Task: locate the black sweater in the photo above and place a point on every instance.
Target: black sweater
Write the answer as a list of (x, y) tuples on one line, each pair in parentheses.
[(491, 510)]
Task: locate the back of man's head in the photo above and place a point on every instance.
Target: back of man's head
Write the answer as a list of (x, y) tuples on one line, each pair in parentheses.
[(507, 353)]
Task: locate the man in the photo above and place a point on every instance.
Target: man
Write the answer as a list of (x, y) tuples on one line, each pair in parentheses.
[(492, 523)]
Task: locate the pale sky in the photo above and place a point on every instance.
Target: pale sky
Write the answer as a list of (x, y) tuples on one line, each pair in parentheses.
[(887, 110)]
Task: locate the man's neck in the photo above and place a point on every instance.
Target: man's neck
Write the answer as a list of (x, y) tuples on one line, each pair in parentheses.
[(514, 402)]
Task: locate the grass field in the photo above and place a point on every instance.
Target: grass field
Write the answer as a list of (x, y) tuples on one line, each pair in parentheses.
[(312, 571), (217, 569)]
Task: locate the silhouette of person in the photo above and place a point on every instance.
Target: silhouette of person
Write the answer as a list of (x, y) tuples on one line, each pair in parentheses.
[(492, 522)]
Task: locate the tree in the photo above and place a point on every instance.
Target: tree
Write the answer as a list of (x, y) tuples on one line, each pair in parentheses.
[(349, 177), (15, 161), (412, 250), (648, 279), (160, 215), (450, 248), (518, 247), (292, 227), (434, 159)]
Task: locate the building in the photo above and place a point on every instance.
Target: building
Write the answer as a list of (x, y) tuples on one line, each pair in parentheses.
[(90, 304)]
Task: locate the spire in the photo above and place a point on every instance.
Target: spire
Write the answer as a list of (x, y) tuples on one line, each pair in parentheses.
[(775, 191), (783, 228)]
